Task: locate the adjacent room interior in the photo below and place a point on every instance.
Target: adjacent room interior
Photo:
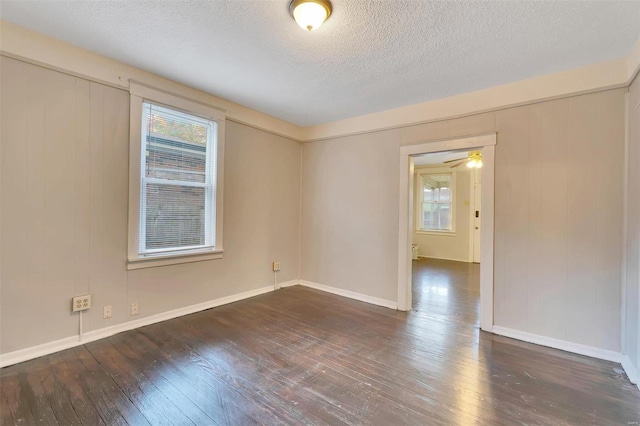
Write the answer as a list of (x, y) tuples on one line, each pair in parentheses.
[(446, 234), (319, 212)]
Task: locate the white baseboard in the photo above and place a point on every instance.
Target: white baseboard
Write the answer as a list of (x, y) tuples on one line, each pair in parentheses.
[(444, 258), (351, 294), (26, 354), (564, 345), (630, 369), (288, 283), (593, 352)]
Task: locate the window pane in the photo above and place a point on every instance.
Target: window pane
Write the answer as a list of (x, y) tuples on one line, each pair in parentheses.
[(427, 215), (172, 124), (442, 220), (175, 216), (437, 196), (428, 194), (444, 194), (176, 145)]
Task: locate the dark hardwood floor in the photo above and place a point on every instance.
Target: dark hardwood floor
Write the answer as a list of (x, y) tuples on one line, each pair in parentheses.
[(300, 356)]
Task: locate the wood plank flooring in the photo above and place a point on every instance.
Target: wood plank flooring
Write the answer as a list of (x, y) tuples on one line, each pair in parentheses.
[(299, 356)]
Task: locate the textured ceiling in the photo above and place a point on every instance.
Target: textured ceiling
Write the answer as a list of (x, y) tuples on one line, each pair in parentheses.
[(369, 56)]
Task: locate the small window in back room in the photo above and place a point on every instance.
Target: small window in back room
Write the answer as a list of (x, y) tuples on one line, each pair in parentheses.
[(436, 202)]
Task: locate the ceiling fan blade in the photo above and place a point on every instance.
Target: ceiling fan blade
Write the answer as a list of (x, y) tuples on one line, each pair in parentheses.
[(451, 161), (459, 164)]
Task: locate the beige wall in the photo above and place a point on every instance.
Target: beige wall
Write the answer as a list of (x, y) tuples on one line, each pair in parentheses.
[(64, 191), (558, 220), (453, 247), (350, 213), (632, 314), (64, 207)]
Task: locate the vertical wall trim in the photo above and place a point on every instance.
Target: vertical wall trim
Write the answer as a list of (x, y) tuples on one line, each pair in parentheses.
[(487, 247), (404, 265), (635, 109), (625, 225), (300, 213), (472, 209)]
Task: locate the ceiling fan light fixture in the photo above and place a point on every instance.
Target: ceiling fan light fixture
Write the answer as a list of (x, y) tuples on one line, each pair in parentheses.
[(310, 14), (474, 160)]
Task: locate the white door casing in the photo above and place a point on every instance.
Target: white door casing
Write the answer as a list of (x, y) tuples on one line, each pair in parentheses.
[(476, 218), (486, 143)]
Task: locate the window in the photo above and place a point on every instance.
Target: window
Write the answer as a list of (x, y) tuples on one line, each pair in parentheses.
[(176, 186), (436, 202)]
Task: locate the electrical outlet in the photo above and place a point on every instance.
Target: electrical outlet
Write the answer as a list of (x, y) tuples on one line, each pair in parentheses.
[(134, 309), (81, 303), (106, 312), (276, 266)]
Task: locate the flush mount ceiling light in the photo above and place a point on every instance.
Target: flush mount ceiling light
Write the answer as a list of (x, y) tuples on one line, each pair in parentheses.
[(310, 14)]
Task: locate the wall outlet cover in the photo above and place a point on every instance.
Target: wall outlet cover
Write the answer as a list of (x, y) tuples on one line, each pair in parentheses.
[(81, 303)]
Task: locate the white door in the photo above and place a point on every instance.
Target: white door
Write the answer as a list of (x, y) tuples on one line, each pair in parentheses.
[(477, 191)]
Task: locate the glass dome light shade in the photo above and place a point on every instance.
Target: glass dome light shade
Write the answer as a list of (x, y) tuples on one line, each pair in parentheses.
[(310, 14)]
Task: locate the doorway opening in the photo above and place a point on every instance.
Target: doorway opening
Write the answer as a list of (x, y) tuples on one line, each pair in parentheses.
[(446, 235), (407, 208)]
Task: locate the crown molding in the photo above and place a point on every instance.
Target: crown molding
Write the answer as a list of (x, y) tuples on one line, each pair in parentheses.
[(592, 78), (33, 47), (30, 46)]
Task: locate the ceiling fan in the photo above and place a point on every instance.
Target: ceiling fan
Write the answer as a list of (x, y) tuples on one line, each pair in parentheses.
[(473, 160)]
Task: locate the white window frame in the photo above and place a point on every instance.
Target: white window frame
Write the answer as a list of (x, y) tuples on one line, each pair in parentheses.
[(141, 93), (420, 173)]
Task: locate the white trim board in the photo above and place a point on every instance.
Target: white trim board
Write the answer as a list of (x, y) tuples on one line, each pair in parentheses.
[(26, 354), (445, 258), (630, 369), (351, 294), (290, 283), (576, 348), (563, 345)]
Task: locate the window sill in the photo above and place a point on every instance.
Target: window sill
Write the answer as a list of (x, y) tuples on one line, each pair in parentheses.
[(441, 233), (172, 259)]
